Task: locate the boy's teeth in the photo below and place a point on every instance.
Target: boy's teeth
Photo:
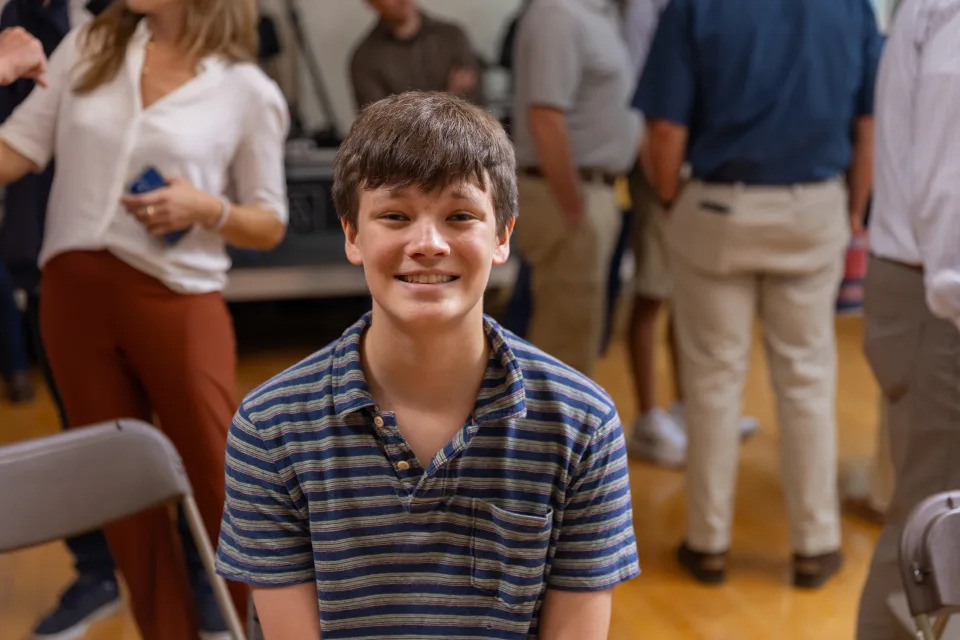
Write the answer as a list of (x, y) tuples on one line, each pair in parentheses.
[(431, 279)]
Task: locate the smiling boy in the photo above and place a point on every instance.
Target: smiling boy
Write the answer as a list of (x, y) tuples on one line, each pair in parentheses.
[(428, 474)]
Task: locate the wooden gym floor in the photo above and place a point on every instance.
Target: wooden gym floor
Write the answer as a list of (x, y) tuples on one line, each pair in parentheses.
[(756, 603)]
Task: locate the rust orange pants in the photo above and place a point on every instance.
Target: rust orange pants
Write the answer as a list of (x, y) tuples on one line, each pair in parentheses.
[(121, 344)]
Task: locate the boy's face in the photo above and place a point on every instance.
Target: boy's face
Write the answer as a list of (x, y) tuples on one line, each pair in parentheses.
[(427, 256)]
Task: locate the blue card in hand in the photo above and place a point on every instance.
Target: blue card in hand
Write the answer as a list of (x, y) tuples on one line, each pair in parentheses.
[(151, 180)]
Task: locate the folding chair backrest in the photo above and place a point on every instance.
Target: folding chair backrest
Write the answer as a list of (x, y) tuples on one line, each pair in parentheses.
[(930, 555), (62, 485)]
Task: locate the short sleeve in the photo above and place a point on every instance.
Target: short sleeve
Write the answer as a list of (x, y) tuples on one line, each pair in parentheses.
[(31, 129), (264, 536), (872, 49), (667, 86), (597, 549), (258, 168), (549, 54)]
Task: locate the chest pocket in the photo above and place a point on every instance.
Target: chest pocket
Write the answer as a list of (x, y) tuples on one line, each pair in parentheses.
[(509, 554)]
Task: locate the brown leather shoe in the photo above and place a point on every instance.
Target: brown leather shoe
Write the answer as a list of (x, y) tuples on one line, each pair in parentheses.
[(708, 568), (811, 572)]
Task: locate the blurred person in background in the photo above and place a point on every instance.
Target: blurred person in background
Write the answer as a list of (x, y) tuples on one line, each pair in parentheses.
[(14, 359), (409, 50), (657, 436), (574, 134), (912, 298), (771, 106), (132, 315), (95, 592)]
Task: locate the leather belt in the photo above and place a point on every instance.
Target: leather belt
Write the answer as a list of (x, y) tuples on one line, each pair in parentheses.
[(586, 174)]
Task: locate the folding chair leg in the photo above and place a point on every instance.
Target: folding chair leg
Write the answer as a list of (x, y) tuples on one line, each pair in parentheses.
[(219, 585)]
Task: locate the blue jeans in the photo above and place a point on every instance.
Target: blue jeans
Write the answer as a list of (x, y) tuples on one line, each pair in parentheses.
[(13, 349)]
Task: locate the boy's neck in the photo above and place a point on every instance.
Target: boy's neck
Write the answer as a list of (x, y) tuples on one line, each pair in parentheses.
[(431, 368)]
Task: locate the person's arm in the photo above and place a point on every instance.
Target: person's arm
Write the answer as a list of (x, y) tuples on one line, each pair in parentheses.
[(551, 71), (21, 56), (596, 549), (548, 129), (574, 615), (265, 535), (666, 149), (665, 95), (258, 219), (288, 612), (935, 213), (28, 136), (860, 174)]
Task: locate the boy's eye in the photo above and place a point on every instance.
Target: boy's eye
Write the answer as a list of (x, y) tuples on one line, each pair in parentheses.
[(462, 216), (393, 215)]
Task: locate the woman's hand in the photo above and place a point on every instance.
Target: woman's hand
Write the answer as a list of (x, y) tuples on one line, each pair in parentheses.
[(21, 56), (177, 206)]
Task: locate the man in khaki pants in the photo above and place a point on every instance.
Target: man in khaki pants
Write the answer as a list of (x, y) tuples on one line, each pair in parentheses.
[(761, 102), (574, 133)]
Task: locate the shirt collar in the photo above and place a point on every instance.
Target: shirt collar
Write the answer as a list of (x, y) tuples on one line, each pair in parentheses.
[(501, 397)]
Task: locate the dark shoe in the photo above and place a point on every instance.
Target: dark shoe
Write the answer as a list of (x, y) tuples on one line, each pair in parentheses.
[(19, 388), (810, 572), (87, 600), (708, 568)]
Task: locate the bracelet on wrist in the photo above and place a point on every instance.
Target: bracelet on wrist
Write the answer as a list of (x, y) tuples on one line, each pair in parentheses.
[(221, 220)]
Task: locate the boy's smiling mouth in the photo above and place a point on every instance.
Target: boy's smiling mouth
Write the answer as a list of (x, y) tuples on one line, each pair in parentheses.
[(427, 278)]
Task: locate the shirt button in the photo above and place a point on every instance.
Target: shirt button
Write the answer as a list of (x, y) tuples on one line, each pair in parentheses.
[(378, 421), (403, 465)]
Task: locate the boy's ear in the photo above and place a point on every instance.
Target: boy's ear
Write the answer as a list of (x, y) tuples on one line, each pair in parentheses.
[(350, 246), (502, 251)]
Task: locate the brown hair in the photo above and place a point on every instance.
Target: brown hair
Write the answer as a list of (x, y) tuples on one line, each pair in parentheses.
[(213, 27), (426, 140)]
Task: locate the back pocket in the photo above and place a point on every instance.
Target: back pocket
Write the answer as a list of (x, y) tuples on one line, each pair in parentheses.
[(509, 554)]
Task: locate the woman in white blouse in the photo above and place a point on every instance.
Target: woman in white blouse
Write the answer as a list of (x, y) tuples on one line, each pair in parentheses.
[(133, 321)]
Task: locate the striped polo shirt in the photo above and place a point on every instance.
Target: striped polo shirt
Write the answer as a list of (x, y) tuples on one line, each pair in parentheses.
[(532, 493)]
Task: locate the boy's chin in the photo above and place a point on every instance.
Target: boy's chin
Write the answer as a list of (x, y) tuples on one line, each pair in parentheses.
[(429, 315)]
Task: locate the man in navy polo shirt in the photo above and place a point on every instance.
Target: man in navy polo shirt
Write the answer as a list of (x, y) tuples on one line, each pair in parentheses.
[(428, 474), (770, 102)]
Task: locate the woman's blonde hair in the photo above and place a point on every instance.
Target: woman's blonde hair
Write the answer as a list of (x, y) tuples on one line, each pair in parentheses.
[(213, 27)]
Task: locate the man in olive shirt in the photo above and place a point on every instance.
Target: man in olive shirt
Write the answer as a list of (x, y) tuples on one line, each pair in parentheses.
[(409, 50)]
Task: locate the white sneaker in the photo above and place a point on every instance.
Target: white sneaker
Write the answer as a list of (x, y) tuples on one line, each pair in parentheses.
[(748, 424), (657, 438)]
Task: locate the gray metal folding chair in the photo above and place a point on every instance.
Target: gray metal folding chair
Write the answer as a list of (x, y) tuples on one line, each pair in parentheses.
[(930, 567), (73, 482)]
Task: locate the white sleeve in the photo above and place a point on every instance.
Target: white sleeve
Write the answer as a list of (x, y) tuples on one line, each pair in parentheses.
[(935, 213), (32, 127), (258, 169)]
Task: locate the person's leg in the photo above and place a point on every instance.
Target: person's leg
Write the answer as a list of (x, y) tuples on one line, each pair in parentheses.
[(14, 362), (798, 325), (79, 313), (715, 326), (182, 348), (916, 360), (91, 554), (568, 267)]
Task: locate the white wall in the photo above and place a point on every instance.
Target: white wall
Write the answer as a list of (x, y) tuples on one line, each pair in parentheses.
[(335, 26)]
